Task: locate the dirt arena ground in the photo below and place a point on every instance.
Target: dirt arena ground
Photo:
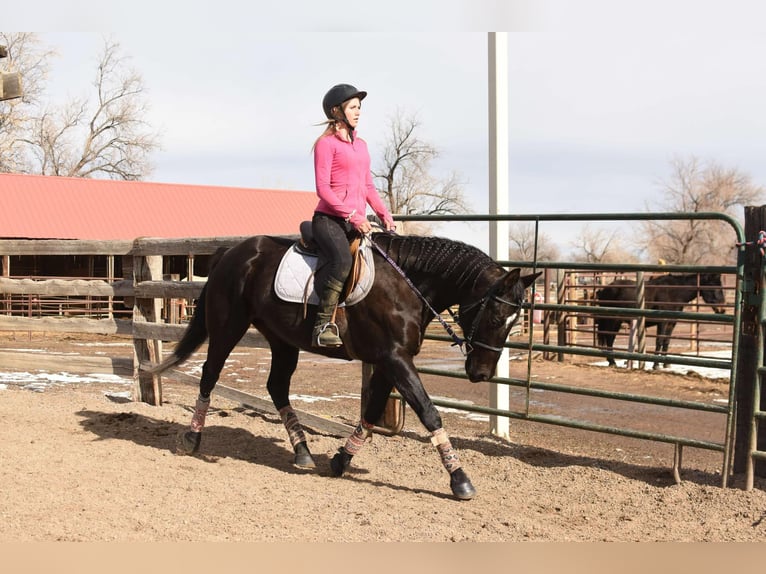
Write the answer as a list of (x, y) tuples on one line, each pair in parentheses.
[(81, 462)]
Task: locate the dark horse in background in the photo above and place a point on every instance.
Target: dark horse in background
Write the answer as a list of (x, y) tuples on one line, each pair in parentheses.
[(666, 293), (385, 329)]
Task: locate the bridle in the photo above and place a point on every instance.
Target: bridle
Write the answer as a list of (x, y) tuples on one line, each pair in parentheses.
[(482, 304), (466, 345)]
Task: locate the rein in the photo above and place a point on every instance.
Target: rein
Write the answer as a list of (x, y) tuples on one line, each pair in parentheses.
[(468, 342), (457, 340)]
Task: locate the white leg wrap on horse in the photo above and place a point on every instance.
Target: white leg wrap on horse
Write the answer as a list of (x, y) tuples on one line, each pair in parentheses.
[(293, 426), (200, 411), (361, 433), (449, 456)]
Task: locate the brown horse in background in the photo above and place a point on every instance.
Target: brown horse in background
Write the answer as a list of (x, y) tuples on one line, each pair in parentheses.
[(665, 292)]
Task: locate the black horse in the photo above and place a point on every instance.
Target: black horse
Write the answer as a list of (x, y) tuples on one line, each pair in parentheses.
[(385, 329), (665, 292)]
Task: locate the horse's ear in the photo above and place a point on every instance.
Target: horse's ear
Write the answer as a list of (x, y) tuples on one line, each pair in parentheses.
[(527, 280), (512, 278)]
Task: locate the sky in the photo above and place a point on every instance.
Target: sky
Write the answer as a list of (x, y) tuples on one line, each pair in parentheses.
[(603, 95)]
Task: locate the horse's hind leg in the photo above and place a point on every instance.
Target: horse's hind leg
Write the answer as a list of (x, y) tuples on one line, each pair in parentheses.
[(222, 340), (664, 329), (380, 387), (609, 344), (284, 359), (402, 374), (605, 334)]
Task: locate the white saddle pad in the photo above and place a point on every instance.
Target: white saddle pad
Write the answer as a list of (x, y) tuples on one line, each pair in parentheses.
[(295, 276)]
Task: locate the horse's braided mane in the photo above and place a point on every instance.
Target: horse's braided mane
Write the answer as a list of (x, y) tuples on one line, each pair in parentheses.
[(448, 259)]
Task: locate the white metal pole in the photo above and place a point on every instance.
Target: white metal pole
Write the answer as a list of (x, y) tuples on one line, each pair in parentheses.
[(499, 396)]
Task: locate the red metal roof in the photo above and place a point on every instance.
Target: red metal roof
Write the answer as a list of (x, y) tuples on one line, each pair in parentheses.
[(47, 207)]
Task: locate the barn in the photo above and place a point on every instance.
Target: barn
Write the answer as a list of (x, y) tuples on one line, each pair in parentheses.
[(50, 207)]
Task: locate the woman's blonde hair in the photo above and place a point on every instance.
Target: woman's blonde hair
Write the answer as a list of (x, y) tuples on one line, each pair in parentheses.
[(330, 128), (331, 125)]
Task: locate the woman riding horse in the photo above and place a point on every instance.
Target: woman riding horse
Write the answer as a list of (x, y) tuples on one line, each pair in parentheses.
[(344, 186)]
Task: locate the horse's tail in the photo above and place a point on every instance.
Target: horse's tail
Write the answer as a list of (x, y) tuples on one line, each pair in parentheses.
[(193, 337), (196, 332)]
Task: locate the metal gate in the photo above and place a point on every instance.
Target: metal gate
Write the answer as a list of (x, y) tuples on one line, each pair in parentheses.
[(724, 446)]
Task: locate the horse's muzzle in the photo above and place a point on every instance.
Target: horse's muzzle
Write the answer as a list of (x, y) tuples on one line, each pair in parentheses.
[(478, 373)]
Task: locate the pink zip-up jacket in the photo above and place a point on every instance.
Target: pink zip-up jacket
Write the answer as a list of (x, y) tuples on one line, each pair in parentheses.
[(344, 181)]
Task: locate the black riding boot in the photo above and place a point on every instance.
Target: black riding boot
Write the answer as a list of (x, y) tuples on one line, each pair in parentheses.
[(325, 332)]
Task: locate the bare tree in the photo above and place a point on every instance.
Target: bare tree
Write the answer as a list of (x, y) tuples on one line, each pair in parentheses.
[(404, 179), (26, 56), (695, 187), (521, 244), (102, 136), (600, 246)]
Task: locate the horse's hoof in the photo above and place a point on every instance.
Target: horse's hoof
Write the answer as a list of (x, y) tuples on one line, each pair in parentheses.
[(188, 442), (303, 458), (461, 485), (339, 463)]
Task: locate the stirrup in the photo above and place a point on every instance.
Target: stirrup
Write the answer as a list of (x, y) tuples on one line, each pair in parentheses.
[(328, 327)]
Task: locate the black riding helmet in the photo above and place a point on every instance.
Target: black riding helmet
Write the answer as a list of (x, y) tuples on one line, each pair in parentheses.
[(337, 95)]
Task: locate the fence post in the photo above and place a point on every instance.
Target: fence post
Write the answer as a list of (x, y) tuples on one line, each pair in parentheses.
[(641, 321), (561, 290), (750, 339), (547, 355), (147, 387), (391, 421)]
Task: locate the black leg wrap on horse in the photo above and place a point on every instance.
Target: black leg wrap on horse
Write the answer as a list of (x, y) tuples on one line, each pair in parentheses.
[(340, 462)]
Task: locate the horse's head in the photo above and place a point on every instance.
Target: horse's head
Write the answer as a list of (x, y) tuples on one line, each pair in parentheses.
[(487, 321), (711, 290)]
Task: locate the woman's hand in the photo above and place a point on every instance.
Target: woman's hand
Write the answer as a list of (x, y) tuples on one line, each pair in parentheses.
[(389, 225), (363, 227)]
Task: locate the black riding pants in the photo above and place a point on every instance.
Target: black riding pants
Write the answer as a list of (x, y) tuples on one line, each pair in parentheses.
[(332, 235)]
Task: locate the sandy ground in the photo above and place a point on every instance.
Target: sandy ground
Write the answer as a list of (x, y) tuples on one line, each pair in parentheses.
[(81, 463)]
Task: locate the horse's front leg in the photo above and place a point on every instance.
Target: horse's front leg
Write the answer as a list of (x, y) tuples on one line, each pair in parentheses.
[(400, 372), (284, 359)]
